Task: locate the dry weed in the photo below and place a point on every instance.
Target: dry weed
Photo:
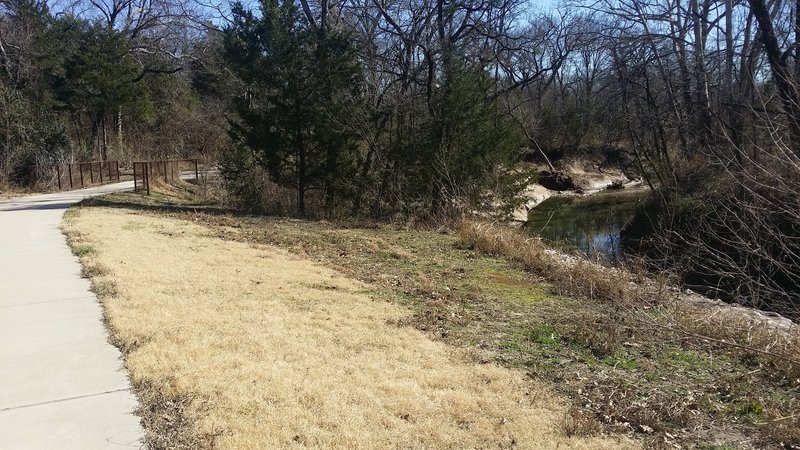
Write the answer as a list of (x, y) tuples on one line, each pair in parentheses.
[(166, 423), (637, 313), (742, 334), (570, 276), (633, 301)]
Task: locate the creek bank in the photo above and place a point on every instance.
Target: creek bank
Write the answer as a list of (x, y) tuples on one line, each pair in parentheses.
[(574, 171), (712, 307), (596, 182), (582, 182), (717, 247)]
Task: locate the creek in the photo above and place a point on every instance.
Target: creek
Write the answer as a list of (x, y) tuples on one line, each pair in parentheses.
[(590, 223)]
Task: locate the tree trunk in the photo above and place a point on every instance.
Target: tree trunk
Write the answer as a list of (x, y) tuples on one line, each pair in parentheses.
[(95, 136), (301, 175), (787, 86), (104, 153), (703, 117), (330, 174), (119, 129)]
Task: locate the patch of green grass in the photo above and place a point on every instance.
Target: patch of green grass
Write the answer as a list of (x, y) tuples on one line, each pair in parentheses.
[(621, 361), (514, 345), (751, 410), (527, 345), (387, 255), (779, 397), (545, 335), (506, 285), (83, 250), (686, 360)]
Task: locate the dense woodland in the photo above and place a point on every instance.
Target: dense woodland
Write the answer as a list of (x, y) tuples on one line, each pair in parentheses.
[(385, 108)]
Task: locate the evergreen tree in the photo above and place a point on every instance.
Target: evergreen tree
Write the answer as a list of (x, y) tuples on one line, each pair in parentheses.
[(300, 86), (469, 137), (30, 134), (91, 73), (458, 151)]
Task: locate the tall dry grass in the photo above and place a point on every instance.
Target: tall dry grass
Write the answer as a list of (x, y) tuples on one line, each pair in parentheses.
[(664, 311), (569, 275), (8, 191)]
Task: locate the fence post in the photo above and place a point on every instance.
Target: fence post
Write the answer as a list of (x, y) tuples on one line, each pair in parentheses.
[(101, 172), (91, 173), (80, 168), (69, 169), (147, 176), (117, 170), (58, 174), (135, 189)]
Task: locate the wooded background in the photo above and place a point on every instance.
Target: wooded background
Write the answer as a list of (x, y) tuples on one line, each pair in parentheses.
[(425, 108)]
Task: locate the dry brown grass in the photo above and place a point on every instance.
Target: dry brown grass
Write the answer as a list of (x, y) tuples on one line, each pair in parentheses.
[(578, 277), (775, 347), (266, 350), (9, 192)]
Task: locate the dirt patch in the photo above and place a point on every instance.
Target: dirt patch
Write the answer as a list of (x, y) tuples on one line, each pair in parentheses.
[(265, 349), (556, 181)]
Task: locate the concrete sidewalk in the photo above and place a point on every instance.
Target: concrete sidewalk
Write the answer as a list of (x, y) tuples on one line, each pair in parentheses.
[(62, 385)]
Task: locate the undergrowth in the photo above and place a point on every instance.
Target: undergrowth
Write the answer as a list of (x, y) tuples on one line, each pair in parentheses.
[(639, 327)]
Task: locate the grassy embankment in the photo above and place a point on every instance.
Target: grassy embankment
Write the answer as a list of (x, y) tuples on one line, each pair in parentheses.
[(185, 300), (235, 344)]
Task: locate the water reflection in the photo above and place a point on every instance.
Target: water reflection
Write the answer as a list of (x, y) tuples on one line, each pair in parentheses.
[(590, 224)]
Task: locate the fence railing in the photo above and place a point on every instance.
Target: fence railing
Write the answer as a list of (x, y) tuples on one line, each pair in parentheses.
[(168, 170), (78, 174)]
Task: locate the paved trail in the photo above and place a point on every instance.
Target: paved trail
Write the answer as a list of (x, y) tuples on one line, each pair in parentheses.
[(62, 385)]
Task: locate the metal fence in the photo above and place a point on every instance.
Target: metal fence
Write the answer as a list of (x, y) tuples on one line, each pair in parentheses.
[(77, 174), (167, 170)]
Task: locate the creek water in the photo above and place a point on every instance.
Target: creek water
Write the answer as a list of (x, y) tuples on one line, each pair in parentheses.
[(590, 223)]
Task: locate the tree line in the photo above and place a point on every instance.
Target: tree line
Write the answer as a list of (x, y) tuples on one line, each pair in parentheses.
[(425, 108), (99, 80)]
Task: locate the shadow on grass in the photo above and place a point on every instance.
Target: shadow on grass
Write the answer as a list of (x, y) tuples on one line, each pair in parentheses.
[(161, 207), (164, 205)]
